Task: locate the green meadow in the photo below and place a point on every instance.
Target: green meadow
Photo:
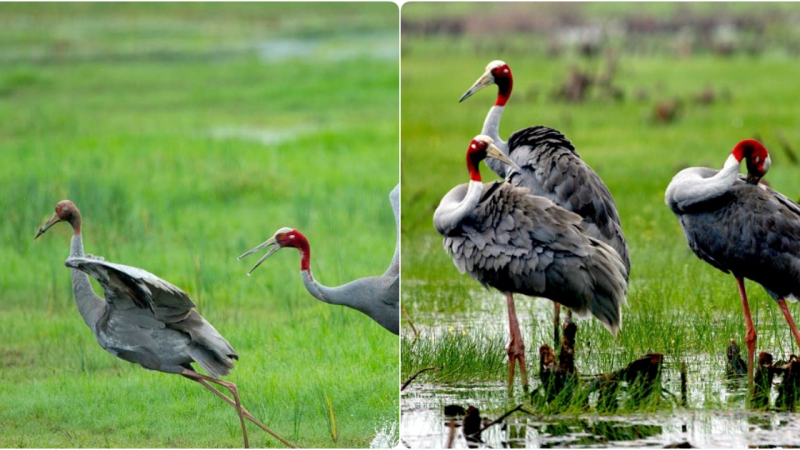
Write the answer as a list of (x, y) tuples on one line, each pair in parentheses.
[(677, 304), (187, 134)]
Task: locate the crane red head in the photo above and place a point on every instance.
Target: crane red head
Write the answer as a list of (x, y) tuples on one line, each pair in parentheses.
[(480, 148), (756, 156), (66, 211), (497, 72), (285, 237)]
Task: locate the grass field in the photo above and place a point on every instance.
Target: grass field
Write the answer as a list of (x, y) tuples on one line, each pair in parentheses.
[(678, 305), (187, 134)]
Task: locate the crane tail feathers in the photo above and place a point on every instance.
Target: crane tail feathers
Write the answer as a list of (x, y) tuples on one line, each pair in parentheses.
[(216, 367)]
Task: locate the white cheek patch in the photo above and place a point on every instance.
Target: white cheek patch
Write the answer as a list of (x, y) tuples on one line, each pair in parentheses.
[(291, 236), (505, 71), (473, 146), (758, 159)]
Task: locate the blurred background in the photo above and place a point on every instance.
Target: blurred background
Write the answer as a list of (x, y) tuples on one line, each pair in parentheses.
[(642, 90), (187, 134)]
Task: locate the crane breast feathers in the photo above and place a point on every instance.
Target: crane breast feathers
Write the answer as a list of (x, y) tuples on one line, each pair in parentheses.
[(167, 302)]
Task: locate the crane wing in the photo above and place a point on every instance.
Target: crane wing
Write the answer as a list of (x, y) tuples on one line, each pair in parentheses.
[(126, 287), (552, 168)]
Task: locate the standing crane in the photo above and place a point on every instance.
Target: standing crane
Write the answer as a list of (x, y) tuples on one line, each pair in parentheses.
[(549, 166), (742, 227), (148, 321), (516, 242), (377, 297)]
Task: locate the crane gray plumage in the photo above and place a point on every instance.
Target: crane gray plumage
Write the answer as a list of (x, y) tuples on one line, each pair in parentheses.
[(549, 166), (507, 238), (743, 224), (742, 227), (148, 321), (518, 242), (378, 297)]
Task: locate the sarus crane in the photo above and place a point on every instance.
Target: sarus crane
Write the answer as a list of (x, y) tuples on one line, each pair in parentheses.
[(516, 242), (549, 166), (377, 297), (742, 227), (148, 321)]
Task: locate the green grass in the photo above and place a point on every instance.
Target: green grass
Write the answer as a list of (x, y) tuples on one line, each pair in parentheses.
[(151, 119), (678, 305)]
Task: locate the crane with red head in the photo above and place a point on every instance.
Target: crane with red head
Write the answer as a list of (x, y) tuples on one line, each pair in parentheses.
[(742, 227), (378, 297), (518, 243), (549, 166), (148, 321)]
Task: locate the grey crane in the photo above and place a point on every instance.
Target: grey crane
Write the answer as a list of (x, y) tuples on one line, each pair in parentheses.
[(516, 242), (742, 227), (146, 320), (377, 297), (550, 167)]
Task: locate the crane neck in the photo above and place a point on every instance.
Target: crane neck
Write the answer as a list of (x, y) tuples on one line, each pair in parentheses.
[(449, 216), (319, 291), (689, 187), (504, 87), (491, 126), (90, 306)]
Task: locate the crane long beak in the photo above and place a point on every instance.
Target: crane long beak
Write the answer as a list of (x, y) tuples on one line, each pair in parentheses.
[(54, 219), (267, 243), (496, 153), (486, 80)]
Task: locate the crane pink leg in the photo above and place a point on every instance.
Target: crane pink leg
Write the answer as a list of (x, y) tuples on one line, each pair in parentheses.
[(788, 316), (750, 337), (247, 414), (229, 386), (516, 349)]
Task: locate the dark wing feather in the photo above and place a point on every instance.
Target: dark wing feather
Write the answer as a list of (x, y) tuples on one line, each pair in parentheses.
[(752, 231), (551, 167), (165, 306), (125, 286)]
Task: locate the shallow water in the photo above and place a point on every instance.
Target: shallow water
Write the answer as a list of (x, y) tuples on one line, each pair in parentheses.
[(716, 413), (423, 425), (386, 436)]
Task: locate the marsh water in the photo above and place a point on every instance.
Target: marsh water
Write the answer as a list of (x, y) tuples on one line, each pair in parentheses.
[(716, 414)]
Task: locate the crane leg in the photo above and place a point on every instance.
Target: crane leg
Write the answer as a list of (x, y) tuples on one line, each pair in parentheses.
[(788, 316), (245, 412), (516, 349), (233, 390), (750, 337)]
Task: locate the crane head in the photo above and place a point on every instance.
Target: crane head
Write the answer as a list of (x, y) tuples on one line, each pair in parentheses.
[(756, 157), (483, 147), (497, 72), (66, 211), (284, 237)]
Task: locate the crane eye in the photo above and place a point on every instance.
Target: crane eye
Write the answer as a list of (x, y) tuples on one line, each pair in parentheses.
[(473, 146), (758, 159), (291, 236)]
